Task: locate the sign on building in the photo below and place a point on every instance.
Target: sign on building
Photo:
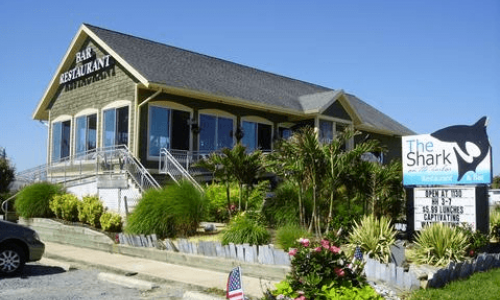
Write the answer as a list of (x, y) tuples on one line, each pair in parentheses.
[(453, 155)]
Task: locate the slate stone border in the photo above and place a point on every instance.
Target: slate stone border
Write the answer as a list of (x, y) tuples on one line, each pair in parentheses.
[(425, 276)]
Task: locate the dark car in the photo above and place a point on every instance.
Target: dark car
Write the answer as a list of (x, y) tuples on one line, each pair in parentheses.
[(18, 245)]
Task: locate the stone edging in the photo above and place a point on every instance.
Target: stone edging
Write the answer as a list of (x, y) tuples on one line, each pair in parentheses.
[(53, 231), (425, 276)]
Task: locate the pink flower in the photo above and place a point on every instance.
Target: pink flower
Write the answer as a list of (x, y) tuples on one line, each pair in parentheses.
[(335, 249), (304, 242), (292, 251), (339, 272), (325, 244), (302, 297), (317, 249)]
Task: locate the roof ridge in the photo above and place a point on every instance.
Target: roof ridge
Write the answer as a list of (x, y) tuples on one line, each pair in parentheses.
[(211, 57)]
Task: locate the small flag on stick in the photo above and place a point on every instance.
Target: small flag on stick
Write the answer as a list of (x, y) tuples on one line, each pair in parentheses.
[(358, 254), (234, 288)]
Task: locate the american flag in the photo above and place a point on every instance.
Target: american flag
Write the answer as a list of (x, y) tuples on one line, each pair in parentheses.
[(234, 289), (358, 255)]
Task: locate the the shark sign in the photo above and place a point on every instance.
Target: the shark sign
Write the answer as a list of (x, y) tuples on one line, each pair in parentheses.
[(454, 155)]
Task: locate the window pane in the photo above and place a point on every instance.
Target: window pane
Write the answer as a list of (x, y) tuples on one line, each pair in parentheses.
[(158, 129), (264, 136), (109, 127), (91, 132), (207, 133), (81, 130), (180, 129), (122, 126), (250, 135), (285, 133), (56, 141), (65, 138), (224, 133), (325, 131)]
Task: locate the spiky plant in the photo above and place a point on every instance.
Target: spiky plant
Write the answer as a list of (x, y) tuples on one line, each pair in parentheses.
[(440, 244), (374, 236)]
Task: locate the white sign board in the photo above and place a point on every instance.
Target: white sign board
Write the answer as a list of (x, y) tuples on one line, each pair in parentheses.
[(453, 205), (453, 155)]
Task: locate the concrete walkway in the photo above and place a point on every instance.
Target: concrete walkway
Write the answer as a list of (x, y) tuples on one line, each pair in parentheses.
[(192, 278)]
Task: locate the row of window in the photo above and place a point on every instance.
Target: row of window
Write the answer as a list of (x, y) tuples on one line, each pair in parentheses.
[(115, 132), (170, 128)]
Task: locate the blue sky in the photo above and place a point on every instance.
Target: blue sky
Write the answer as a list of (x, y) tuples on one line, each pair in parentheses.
[(428, 64)]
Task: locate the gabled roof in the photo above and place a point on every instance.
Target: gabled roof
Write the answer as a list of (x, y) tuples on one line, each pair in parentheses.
[(158, 65)]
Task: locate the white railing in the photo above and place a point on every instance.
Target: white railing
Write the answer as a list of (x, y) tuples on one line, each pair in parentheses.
[(177, 163), (109, 160)]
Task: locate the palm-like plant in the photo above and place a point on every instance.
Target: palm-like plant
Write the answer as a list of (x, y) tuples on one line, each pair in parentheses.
[(244, 166), (340, 160)]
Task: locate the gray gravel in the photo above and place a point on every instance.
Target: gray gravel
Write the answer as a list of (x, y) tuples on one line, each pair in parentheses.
[(46, 282)]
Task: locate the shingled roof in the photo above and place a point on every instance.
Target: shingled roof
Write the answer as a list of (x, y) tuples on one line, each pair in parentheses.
[(170, 66)]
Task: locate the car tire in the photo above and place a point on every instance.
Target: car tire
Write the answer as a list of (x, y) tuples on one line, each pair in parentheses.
[(12, 259)]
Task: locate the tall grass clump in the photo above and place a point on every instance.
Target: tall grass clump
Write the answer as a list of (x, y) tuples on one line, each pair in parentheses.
[(283, 208), (174, 210), (151, 215), (374, 236), (33, 201), (245, 228), (287, 236), (440, 244)]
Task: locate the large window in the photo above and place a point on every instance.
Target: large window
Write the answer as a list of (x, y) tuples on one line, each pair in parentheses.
[(86, 130), (115, 122), (215, 132), (168, 128), (257, 135), (61, 132)]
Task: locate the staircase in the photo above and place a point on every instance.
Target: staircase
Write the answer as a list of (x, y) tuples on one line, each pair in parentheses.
[(105, 168)]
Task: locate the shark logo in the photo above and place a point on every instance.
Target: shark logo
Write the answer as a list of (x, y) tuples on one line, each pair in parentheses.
[(471, 144)]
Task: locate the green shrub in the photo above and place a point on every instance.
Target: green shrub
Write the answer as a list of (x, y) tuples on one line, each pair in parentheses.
[(495, 223), (245, 229), (174, 210), (374, 236), (287, 236), (90, 210), (65, 206), (217, 210), (33, 201), (283, 208), (111, 222), (477, 240), (439, 244), (320, 271)]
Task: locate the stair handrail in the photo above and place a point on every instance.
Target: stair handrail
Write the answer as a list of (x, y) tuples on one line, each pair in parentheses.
[(165, 158), (127, 161)]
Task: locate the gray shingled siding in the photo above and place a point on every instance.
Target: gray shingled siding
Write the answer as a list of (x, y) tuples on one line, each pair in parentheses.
[(391, 143), (337, 110), (95, 92)]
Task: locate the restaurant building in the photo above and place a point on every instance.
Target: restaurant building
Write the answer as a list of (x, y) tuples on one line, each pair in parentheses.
[(156, 103)]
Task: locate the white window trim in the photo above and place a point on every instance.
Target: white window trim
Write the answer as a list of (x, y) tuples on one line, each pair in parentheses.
[(85, 113), (114, 105), (217, 113), (60, 119), (168, 105)]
